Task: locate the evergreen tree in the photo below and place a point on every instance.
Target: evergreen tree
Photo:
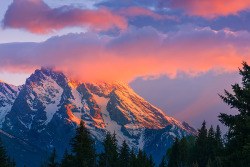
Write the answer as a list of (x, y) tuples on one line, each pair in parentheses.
[(168, 154), (141, 159), (217, 162), (9, 162), (3, 155), (66, 161), (13, 163), (115, 154), (174, 155), (211, 135), (144, 160), (191, 149), (133, 159), (83, 153), (124, 157), (110, 156), (184, 152), (211, 143), (195, 164), (52, 160), (238, 136), (218, 148), (151, 161), (163, 162), (218, 140), (201, 149)]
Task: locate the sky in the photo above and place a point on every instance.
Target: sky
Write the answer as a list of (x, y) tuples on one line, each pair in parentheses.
[(176, 54)]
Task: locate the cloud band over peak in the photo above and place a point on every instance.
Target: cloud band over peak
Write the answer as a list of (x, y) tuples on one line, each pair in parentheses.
[(138, 52)]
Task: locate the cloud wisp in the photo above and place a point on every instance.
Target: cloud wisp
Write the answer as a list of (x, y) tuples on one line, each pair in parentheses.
[(208, 8), (141, 11), (137, 52)]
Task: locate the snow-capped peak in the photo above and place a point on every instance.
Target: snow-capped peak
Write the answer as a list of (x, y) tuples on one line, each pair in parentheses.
[(50, 106)]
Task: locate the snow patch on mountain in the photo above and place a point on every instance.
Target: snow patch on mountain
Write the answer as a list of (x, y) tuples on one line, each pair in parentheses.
[(3, 112), (49, 93), (8, 94), (77, 97), (85, 106), (111, 125), (141, 141)]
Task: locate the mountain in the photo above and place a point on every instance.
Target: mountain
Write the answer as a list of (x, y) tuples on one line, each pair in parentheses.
[(47, 108), (8, 94)]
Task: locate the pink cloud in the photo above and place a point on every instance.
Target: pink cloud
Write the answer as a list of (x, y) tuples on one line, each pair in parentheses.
[(138, 52), (210, 8), (37, 17)]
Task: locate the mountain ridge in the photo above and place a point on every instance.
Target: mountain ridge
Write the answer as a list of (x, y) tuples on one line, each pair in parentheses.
[(49, 106)]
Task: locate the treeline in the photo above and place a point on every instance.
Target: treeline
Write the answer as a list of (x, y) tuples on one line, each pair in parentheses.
[(83, 153), (203, 150), (207, 149)]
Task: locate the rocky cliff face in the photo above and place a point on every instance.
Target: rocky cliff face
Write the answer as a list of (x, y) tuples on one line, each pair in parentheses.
[(8, 94), (47, 108)]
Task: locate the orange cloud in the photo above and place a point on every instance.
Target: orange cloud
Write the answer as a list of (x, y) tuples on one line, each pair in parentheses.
[(210, 8), (138, 52)]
